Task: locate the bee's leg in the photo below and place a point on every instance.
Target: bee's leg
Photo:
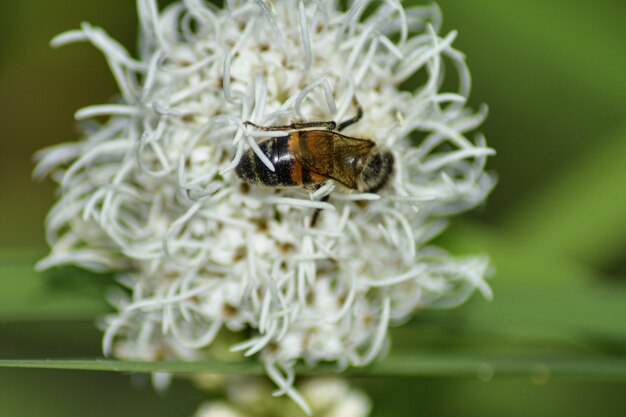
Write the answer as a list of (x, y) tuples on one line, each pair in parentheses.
[(349, 122), (316, 215), (331, 125), (316, 188)]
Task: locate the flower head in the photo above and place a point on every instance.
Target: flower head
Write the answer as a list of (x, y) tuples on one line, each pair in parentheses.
[(249, 397), (152, 193)]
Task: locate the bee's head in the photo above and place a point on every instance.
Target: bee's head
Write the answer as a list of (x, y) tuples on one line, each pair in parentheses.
[(377, 170)]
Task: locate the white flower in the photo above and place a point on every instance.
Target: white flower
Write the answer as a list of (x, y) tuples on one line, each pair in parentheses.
[(333, 397), (151, 193), (218, 409), (248, 397)]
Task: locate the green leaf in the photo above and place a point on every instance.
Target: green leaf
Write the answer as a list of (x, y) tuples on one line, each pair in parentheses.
[(60, 294), (581, 213), (539, 293)]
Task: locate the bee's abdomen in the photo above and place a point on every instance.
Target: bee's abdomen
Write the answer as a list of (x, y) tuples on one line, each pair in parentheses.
[(252, 170)]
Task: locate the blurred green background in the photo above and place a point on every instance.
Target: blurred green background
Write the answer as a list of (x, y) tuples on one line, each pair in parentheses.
[(554, 75)]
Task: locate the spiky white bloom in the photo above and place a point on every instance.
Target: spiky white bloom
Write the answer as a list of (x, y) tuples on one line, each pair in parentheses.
[(151, 193)]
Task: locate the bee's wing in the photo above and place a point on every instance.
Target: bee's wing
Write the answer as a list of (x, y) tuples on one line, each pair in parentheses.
[(333, 155)]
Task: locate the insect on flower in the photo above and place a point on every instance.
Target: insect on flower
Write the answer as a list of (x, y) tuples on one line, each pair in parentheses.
[(315, 152), (150, 195)]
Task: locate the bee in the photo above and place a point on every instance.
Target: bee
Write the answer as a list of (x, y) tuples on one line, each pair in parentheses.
[(315, 152)]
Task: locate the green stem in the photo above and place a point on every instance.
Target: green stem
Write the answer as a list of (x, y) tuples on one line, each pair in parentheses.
[(418, 364)]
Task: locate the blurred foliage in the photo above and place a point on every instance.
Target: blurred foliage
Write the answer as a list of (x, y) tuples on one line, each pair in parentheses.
[(552, 73)]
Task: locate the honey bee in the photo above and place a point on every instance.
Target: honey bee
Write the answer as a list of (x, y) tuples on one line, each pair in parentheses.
[(315, 152)]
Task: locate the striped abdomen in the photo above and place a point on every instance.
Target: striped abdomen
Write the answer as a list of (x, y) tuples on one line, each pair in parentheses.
[(288, 172)]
